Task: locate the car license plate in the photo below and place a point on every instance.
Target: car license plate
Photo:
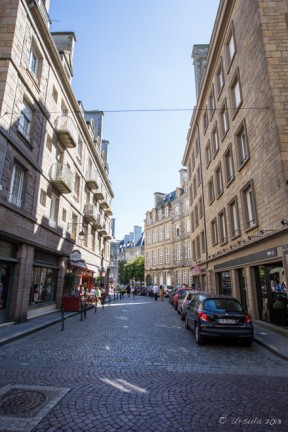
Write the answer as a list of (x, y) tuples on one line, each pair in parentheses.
[(226, 321)]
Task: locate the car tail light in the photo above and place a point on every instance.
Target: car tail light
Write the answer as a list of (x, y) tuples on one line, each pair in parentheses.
[(247, 319), (203, 316)]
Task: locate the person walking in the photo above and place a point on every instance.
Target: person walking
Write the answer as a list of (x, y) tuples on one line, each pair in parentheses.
[(133, 292), (128, 290), (155, 290), (161, 293)]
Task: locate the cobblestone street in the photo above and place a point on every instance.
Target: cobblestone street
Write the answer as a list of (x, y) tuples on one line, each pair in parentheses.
[(134, 367)]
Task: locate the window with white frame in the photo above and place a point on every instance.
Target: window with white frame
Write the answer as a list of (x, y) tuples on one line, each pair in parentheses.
[(160, 256), (149, 259), (43, 198), (167, 212), (178, 276), (53, 211), (155, 235), (230, 47), (214, 234), (154, 258), (241, 146), (219, 181), (160, 215), (178, 253), (185, 277), (188, 225), (189, 250), (235, 94), (167, 255), (224, 123), (220, 78), (160, 234), (186, 205), (249, 206), (208, 153), (149, 237), (177, 230), (16, 185), (234, 218), (229, 170), (222, 227), (25, 121), (177, 210), (167, 235), (154, 217), (211, 193), (34, 63), (148, 220), (215, 140)]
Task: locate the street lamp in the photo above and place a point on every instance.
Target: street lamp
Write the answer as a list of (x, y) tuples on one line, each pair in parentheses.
[(81, 233)]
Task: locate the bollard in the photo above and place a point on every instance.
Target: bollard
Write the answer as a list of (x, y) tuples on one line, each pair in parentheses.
[(96, 306), (62, 318), (81, 311), (85, 309)]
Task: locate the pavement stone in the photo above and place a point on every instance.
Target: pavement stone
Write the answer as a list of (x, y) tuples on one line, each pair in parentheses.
[(134, 366)]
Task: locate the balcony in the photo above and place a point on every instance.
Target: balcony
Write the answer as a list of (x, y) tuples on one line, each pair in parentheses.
[(102, 230), (66, 131), (104, 204), (91, 179), (108, 211), (90, 213), (98, 223), (61, 178), (99, 195)]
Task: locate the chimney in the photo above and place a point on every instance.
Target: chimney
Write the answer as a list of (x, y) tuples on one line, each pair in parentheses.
[(183, 177), (158, 198)]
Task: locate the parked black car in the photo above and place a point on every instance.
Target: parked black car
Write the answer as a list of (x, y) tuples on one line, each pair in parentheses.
[(211, 316)]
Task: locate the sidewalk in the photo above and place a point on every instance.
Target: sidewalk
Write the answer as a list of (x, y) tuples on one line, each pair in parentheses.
[(271, 337)]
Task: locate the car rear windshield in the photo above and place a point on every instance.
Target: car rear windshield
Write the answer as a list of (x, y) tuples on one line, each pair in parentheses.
[(217, 305)]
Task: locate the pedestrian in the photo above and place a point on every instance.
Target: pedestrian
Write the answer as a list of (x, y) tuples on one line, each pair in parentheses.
[(128, 290), (133, 292), (103, 295), (155, 290), (161, 292)]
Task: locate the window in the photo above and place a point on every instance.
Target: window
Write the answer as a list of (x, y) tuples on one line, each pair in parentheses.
[(234, 218), (215, 140), (177, 231), (190, 194), (200, 202), (49, 143), (166, 212), (235, 94), (53, 211), (80, 150), (192, 221), (16, 186), (160, 234), (155, 235), (77, 186), (224, 123), (205, 120), (211, 190), (219, 182), (195, 186), (167, 232), (230, 48), (198, 176), (149, 259), (54, 94), (198, 246), (222, 227), (241, 146), (43, 198), (64, 215), (25, 121), (160, 255), (154, 258), (196, 213), (208, 154), (203, 243), (189, 250), (220, 78), (193, 159), (214, 234), (188, 225), (160, 215), (212, 103), (34, 64), (149, 237), (167, 253), (178, 254), (228, 160), (249, 207)]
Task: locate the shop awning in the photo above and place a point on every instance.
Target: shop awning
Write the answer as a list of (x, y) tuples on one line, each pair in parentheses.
[(77, 264)]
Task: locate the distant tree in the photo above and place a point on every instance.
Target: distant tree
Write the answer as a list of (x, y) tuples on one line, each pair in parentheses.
[(121, 273)]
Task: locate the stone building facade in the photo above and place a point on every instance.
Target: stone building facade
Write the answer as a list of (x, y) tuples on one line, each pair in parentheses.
[(236, 156), (54, 179), (167, 238)]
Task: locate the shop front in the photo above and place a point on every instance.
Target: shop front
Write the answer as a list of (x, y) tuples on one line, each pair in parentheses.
[(43, 291), (272, 293)]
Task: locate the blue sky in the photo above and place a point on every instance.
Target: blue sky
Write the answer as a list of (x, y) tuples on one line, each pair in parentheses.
[(136, 55)]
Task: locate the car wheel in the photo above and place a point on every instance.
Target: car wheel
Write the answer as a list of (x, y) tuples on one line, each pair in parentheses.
[(186, 323), (247, 342), (198, 337)]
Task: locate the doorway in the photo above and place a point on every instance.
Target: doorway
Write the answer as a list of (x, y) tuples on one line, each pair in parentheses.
[(5, 281)]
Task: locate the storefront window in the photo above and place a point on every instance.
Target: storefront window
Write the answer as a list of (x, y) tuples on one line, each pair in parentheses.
[(43, 290), (224, 281)]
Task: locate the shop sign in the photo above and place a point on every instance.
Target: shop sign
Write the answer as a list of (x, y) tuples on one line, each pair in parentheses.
[(196, 270), (75, 256)]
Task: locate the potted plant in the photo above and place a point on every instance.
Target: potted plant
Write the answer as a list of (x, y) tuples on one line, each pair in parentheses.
[(279, 312)]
